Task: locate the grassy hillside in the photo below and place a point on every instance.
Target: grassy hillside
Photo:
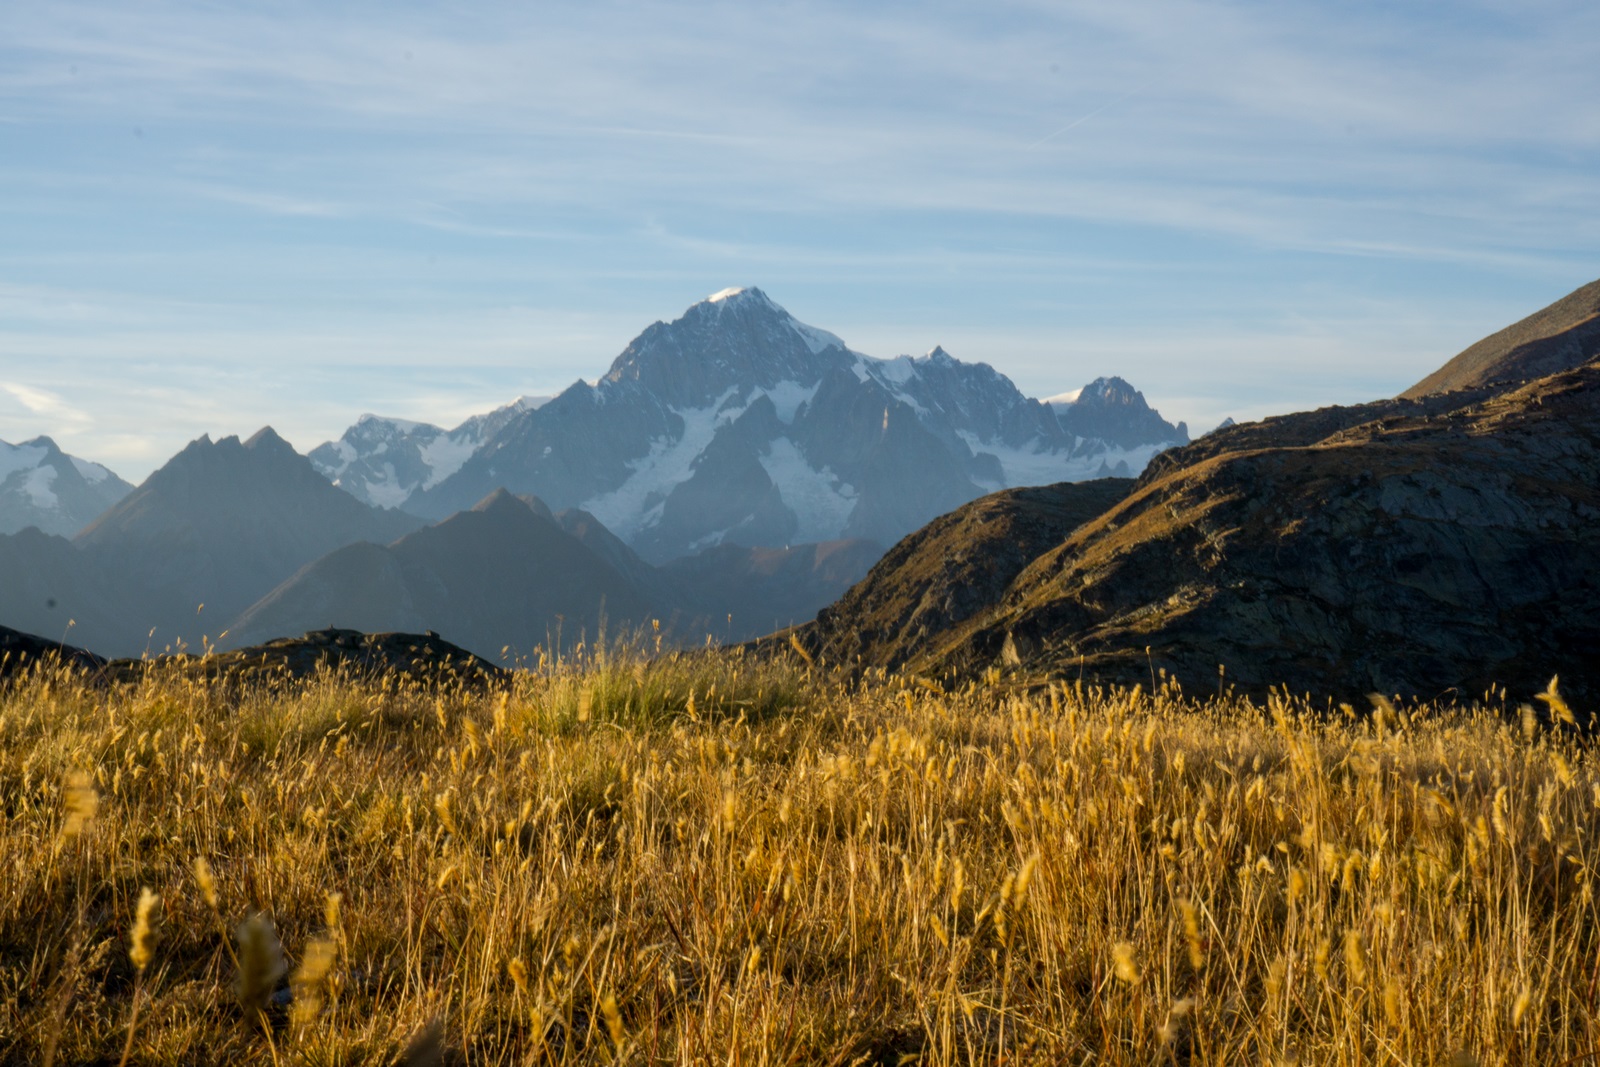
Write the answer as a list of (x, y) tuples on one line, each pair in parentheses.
[(712, 860)]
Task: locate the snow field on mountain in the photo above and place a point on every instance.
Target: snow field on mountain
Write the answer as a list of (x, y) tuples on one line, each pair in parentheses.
[(786, 397), (636, 504), (818, 499), (386, 491), (37, 485), (92, 473), (14, 458), (445, 454)]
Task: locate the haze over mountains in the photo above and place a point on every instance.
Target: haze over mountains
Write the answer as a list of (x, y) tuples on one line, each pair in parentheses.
[(733, 473)]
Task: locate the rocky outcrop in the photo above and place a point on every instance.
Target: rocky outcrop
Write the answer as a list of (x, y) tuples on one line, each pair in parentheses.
[(951, 570), (1417, 554), (23, 652), (418, 659)]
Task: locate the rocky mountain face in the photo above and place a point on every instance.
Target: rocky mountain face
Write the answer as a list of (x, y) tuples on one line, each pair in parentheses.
[(21, 652), (1422, 547), (739, 424), (509, 576), (1562, 336), (382, 461), (220, 525), (43, 487), (951, 570), (1114, 412)]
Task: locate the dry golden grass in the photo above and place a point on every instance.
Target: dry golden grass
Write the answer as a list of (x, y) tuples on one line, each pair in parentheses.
[(710, 860)]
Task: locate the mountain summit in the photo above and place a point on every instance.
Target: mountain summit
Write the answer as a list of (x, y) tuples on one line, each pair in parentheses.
[(382, 461), (1111, 410)]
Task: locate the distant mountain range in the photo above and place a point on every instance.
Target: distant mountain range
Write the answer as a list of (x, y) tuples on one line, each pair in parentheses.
[(737, 423), (1441, 542), (237, 542), (1436, 544), (735, 471)]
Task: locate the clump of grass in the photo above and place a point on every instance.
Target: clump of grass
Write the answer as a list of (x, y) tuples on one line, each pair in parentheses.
[(633, 857)]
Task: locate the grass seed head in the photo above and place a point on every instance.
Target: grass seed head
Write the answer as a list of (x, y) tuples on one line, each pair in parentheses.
[(519, 974), (260, 961), (1122, 963), (206, 881), (142, 942), (306, 984), (1355, 958), (1519, 1008), (82, 801), (1191, 934)]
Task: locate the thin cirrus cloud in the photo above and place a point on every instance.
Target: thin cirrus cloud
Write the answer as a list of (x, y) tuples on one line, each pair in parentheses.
[(1243, 206)]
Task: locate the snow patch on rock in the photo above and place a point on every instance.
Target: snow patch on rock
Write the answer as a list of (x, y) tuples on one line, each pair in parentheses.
[(37, 485), (1033, 465), (636, 504), (787, 397), (818, 498), (445, 454), (92, 473)]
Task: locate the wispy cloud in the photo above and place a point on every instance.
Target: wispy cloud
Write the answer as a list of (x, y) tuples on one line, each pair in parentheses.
[(44, 403)]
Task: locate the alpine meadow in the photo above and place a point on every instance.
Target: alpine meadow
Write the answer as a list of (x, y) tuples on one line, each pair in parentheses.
[(702, 858)]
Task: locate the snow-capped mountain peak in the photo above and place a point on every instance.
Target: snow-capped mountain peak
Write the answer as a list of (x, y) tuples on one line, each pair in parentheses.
[(738, 423), (383, 460), (755, 301), (42, 486), (1109, 409)]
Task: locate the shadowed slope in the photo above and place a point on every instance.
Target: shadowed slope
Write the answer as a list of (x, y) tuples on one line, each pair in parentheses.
[(503, 574), (221, 524)]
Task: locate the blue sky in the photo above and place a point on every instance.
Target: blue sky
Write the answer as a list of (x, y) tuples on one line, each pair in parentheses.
[(218, 216)]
